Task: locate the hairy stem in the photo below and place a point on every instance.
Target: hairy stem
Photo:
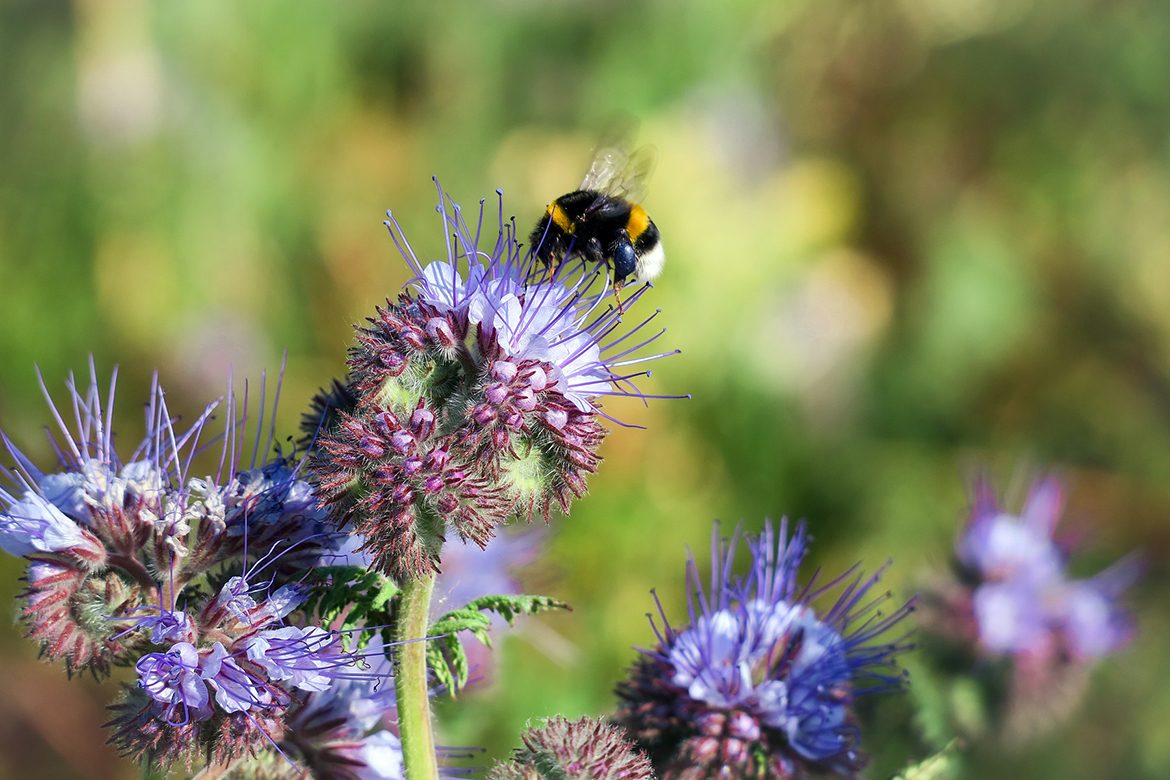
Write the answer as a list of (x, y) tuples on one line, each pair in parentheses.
[(410, 681), (135, 568)]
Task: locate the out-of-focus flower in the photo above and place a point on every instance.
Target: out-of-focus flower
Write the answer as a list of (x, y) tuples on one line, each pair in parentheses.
[(1014, 620), (476, 396), (469, 572), (1023, 600), (583, 749), (377, 757), (339, 733), (760, 684)]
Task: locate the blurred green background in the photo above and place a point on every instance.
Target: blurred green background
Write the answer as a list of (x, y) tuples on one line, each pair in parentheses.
[(906, 239)]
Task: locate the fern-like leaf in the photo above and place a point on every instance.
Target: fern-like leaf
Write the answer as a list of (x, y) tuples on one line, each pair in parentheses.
[(445, 653)]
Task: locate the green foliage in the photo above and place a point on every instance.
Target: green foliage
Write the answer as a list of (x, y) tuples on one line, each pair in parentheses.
[(350, 597), (936, 767), (445, 653)]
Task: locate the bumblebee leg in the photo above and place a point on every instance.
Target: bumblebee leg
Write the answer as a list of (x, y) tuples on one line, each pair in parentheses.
[(625, 262), (617, 294)]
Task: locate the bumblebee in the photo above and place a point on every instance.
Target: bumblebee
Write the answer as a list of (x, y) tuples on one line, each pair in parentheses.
[(603, 221)]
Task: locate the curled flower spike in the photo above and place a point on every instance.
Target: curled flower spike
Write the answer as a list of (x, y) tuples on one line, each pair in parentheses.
[(194, 580), (225, 681), (476, 396), (112, 538), (759, 684)]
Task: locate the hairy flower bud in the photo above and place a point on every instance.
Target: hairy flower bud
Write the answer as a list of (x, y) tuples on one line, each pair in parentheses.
[(582, 749), (73, 613)]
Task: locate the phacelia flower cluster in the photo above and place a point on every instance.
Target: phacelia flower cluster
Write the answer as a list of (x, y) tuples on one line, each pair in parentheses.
[(107, 537), (221, 680), (1013, 619), (759, 684), (474, 397), (1021, 597), (194, 581)]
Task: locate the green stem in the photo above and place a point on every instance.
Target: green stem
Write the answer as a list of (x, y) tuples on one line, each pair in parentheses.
[(410, 681)]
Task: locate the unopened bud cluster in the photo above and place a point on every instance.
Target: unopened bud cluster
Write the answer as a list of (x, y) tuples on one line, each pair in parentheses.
[(582, 749)]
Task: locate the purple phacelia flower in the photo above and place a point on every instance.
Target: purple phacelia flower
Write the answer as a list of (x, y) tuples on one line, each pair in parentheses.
[(236, 689), (1022, 599), (167, 626), (174, 679), (299, 656), (582, 749), (34, 524), (1013, 608), (759, 683), (476, 396), (235, 601)]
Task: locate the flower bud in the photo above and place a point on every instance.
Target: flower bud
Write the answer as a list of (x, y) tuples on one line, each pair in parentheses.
[(439, 331), (422, 422), (583, 749), (537, 378), (504, 371), (414, 337), (496, 394), (556, 418), (402, 441), (512, 417), (525, 399)]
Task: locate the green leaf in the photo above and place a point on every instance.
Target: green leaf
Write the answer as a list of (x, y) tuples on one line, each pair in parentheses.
[(509, 607), (936, 767), (351, 597), (445, 653)]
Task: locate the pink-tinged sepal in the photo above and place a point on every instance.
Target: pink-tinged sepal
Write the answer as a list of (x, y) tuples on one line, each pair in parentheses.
[(77, 616)]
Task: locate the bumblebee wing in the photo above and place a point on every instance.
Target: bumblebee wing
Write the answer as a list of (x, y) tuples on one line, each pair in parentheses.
[(609, 159), (633, 180)]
